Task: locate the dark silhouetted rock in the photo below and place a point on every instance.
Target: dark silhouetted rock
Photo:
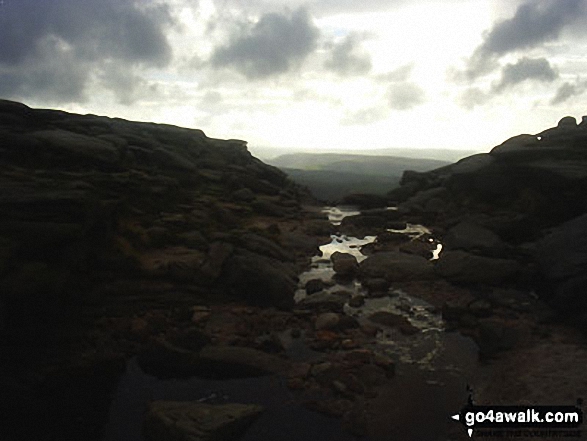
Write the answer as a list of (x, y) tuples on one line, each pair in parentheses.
[(462, 267), (396, 267)]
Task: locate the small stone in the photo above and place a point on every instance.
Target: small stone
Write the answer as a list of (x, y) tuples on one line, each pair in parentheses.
[(349, 344), (357, 301), (339, 386), (362, 355), (327, 320), (320, 369)]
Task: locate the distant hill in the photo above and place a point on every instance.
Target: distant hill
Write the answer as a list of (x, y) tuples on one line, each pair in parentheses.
[(268, 154), (330, 176)]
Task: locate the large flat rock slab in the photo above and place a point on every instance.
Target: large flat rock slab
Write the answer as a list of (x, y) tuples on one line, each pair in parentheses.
[(193, 421)]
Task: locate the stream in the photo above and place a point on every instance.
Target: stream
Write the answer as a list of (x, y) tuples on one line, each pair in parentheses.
[(433, 367)]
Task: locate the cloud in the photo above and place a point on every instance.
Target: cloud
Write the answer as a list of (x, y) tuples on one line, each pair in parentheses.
[(346, 57), (524, 69), (473, 97), (534, 23), (276, 44), (402, 73), (52, 48), (567, 91), (364, 116), (405, 96)]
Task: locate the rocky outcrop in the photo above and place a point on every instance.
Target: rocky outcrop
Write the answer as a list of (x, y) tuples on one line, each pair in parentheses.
[(562, 258), (111, 231), (505, 217)]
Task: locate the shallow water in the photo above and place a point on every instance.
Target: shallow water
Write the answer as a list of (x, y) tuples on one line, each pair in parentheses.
[(433, 366)]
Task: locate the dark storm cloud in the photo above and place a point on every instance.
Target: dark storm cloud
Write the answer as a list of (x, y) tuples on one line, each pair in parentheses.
[(51, 48), (535, 22), (346, 57), (405, 96), (537, 69), (568, 90), (276, 44)]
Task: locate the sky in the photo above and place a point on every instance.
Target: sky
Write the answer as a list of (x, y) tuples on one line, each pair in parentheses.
[(324, 75)]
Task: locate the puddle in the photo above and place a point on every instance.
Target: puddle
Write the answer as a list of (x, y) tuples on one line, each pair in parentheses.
[(283, 415), (426, 349)]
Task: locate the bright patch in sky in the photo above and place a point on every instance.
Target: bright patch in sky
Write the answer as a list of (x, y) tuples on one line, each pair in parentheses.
[(327, 75)]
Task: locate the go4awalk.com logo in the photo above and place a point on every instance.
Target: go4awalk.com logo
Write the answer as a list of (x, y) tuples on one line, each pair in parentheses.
[(522, 421)]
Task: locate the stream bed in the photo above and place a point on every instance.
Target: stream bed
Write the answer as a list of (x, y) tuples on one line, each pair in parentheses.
[(433, 367)]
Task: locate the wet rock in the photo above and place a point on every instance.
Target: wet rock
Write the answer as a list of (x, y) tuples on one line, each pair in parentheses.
[(324, 302), (327, 320), (463, 267), (396, 266), (217, 255), (357, 301), (376, 285), (192, 421), (396, 225), (313, 286), (470, 237), (344, 264), (418, 248), (318, 227), (394, 321)]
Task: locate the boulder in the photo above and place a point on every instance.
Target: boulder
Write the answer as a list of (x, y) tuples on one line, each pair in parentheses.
[(344, 264), (327, 320), (394, 321), (260, 280), (562, 254), (562, 259), (313, 286), (463, 267), (470, 237), (396, 267), (193, 421), (567, 122), (324, 301)]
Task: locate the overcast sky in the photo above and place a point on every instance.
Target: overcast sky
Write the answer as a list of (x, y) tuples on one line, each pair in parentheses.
[(322, 75)]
